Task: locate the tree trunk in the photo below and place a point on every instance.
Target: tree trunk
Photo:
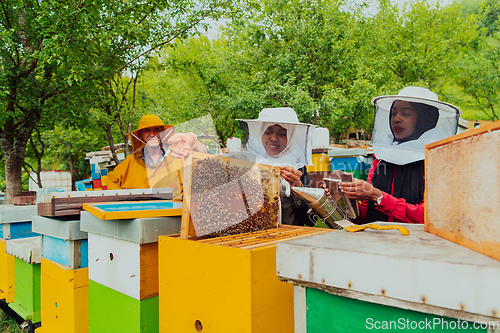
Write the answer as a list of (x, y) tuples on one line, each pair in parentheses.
[(38, 156), (72, 171), (13, 171), (14, 149), (111, 144)]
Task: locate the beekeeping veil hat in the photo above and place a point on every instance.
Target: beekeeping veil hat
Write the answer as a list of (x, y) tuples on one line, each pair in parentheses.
[(436, 120), (298, 150), (149, 120)]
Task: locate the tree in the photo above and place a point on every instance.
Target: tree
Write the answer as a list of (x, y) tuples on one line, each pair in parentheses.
[(55, 51), (114, 104), (35, 150), (70, 145), (417, 44), (200, 77), (301, 55), (479, 75), (488, 9)]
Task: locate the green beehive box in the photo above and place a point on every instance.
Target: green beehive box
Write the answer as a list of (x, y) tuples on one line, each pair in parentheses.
[(27, 298), (112, 311)]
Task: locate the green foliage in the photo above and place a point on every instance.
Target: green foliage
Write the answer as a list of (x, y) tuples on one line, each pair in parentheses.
[(200, 78), (302, 54), (320, 224), (69, 144), (2, 175), (9, 325), (489, 9), (417, 44), (323, 58), (57, 54), (93, 68), (479, 76)]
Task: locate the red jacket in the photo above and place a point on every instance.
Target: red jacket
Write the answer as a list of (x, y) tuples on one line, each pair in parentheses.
[(396, 208)]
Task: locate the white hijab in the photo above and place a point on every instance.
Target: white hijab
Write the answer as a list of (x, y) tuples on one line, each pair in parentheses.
[(384, 146), (298, 149)]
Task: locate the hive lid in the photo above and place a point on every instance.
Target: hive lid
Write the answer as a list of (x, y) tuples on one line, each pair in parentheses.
[(133, 209)]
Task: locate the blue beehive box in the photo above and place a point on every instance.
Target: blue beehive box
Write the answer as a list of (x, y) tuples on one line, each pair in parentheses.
[(355, 161)]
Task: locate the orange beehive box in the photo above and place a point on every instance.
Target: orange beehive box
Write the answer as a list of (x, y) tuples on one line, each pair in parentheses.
[(64, 298), (6, 274), (462, 189), (226, 284)]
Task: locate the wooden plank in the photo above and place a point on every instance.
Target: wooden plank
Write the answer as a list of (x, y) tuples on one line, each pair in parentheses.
[(45, 209), (27, 294), (255, 234), (186, 222), (7, 274), (266, 237), (297, 236), (463, 190), (129, 268), (467, 134), (60, 206), (245, 236), (64, 298), (67, 212)]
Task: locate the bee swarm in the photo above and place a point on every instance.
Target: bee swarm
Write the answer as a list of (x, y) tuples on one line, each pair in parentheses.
[(228, 199)]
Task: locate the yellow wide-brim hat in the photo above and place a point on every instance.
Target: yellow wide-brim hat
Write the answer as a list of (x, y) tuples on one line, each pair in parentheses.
[(149, 120)]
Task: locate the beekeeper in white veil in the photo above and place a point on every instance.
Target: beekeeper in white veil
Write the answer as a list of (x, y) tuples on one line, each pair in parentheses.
[(403, 125), (277, 138)]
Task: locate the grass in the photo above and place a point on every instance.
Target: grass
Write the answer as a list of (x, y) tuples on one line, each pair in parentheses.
[(9, 325)]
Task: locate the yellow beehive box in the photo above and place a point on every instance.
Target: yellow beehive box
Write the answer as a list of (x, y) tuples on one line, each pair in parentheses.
[(226, 284), (64, 298), (462, 189), (6, 273)]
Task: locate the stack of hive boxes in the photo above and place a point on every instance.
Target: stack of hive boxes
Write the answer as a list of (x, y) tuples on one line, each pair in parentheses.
[(19, 249), (351, 160), (64, 274), (220, 274), (123, 271), (99, 177)]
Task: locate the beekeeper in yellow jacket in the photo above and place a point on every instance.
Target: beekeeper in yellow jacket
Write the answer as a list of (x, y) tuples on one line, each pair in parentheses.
[(157, 160)]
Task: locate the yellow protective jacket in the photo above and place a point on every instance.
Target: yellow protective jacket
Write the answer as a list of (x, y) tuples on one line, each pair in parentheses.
[(133, 173)]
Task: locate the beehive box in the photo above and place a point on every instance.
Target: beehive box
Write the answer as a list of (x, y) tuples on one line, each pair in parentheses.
[(462, 189), (130, 268), (112, 311), (381, 275), (226, 284), (15, 221), (320, 168), (123, 254), (27, 253), (62, 241), (225, 196), (64, 298), (64, 276), (7, 274), (123, 269)]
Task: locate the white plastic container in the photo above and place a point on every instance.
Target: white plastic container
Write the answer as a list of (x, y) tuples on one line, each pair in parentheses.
[(234, 145), (321, 138), (52, 178)]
